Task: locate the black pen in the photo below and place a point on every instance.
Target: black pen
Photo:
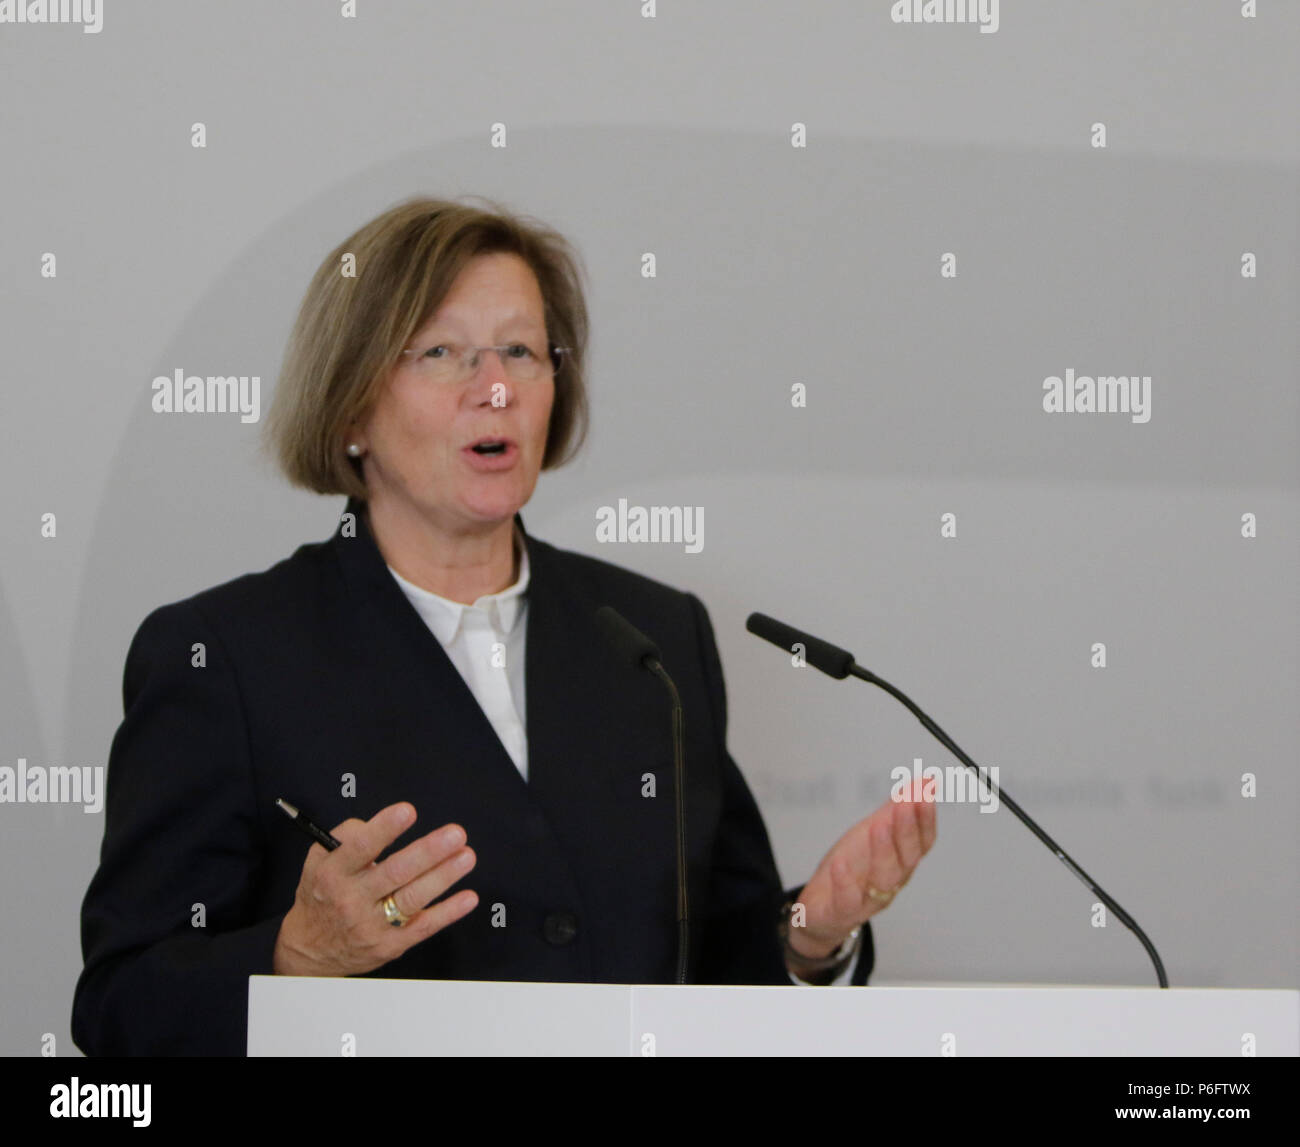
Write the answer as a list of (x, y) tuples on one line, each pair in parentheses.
[(318, 834)]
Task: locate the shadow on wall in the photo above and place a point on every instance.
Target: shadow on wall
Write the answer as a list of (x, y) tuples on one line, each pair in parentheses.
[(40, 943)]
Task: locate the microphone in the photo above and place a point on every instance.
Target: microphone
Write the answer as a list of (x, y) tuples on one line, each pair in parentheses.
[(819, 654), (632, 646), (636, 650), (839, 663)]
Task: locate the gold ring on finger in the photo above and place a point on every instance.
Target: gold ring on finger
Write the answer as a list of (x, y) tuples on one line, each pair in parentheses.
[(393, 914)]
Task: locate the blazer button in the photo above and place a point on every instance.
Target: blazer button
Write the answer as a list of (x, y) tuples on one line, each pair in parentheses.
[(560, 928)]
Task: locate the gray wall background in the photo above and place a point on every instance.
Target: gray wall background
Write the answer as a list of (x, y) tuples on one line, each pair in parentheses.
[(775, 265)]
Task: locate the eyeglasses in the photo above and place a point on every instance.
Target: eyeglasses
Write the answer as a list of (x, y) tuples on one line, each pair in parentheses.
[(450, 363)]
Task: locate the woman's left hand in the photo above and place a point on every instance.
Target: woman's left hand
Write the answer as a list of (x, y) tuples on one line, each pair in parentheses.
[(864, 869)]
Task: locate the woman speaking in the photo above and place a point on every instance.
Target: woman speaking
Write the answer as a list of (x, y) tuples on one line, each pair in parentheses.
[(432, 683)]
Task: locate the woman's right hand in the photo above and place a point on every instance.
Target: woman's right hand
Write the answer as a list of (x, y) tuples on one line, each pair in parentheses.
[(337, 925)]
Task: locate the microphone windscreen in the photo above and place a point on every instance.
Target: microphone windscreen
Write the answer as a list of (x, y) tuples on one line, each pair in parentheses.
[(629, 644), (830, 659)]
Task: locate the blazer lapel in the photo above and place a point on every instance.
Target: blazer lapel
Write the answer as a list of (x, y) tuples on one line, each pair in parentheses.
[(383, 609), (594, 725), (560, 675)]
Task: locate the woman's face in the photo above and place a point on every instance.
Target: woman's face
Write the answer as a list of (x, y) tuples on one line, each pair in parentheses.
[(417, 440)]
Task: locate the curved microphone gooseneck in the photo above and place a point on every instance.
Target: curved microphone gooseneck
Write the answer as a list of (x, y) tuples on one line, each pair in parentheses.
[(839, 663)]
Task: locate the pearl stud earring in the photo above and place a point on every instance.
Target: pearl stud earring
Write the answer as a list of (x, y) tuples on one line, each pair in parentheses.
[(354, 451)]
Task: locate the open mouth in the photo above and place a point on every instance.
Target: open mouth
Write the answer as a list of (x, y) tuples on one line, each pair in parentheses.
[(490, 447)]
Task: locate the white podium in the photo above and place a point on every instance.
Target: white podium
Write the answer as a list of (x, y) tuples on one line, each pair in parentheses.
[(309, 1016)]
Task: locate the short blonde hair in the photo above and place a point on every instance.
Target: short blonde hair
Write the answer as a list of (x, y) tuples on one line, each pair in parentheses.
[(351, 329)]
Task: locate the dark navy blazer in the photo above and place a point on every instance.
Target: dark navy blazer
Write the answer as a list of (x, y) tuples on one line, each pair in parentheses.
[(320, 667)]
